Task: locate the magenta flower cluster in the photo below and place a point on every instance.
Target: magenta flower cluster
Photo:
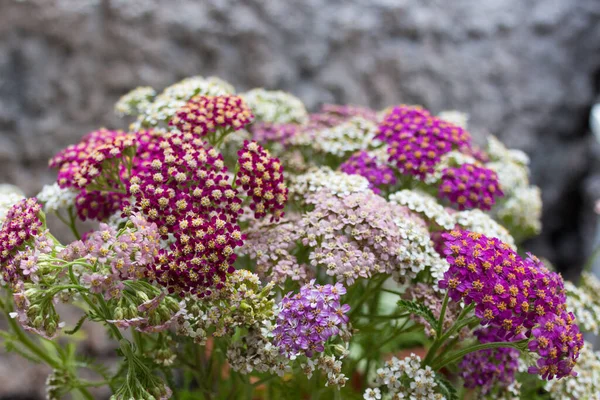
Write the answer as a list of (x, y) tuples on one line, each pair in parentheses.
[(417, 140), (308, 319), (519, 298), (20, 228), (181, 184), (364, 164), (489, 368), (470, 186), (98, 205), (261, 176)]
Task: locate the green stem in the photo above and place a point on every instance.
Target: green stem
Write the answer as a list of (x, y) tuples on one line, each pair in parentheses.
[(43, 355), (368, 292), (72, 225), (481, 346), (440, 326), (85, 393)]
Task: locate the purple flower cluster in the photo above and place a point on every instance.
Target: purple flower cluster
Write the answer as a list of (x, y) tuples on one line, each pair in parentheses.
[(519, 298), (470, 186), (261, 176), (264, 132), (22, 225), (489, 368), (364, 164), (181, 184), (308, 319), (417, 140)]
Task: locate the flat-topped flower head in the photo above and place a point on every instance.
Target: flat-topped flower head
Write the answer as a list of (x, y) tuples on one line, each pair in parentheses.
[(275, 106), (519, 298), (349, 111), (181, 184), (377, 173), (99, 159), (23, 223), (417, 140), (470, 186), (203, 115), (261, 176), (308, 319)]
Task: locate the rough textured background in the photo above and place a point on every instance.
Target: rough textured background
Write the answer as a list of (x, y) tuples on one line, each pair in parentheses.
[(527, 71)]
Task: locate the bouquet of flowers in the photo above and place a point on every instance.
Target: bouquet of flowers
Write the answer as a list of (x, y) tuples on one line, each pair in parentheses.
[(247, 249)]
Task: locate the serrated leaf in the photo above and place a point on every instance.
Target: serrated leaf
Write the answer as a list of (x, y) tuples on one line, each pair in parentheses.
[(447, 389), (77, 326), (419, 309)]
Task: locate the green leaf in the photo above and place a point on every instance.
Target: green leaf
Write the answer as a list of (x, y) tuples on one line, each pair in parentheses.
[(419, 309), (446, 388), (77, 326)]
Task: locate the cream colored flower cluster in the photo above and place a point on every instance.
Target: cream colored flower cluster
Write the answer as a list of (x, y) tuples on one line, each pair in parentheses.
[(275, 106)]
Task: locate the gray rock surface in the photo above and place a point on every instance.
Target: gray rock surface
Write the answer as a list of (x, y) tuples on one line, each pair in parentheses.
[(526, 70)]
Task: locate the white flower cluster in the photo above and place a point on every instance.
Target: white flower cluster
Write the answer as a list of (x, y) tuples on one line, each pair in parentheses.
[(424, 204), (136, 101), (455, 117), (355, 134), (405, 379), (338, 183), (522, 210), (418, 252), (9, 196), (255, 352), (330, 366), (164, 106), (480, 222), (56, 198), (275, 106), (586, 310), (586, 385), (498, 152)]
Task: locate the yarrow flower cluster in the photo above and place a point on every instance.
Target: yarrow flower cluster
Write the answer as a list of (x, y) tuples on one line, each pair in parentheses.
[(275, 106), (204, 115), (470, 186), (9, 196), (182, 186), (584, 306), (136, 101), (405, 378), (261, 176), (520, 298), (425, 205), (336, 182), (361, 235), (490, 370), (364, 164), (416, 140), (56, 198), (480, 222), (308, 319), (355, 134), (24, 222), (586, 385)]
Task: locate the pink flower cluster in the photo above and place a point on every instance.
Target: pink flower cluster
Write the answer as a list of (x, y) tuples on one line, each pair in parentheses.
[(264, 132), (417, 140), (377, 173), (519, 298), (470, 186), (22, 225), (203, 115), (308, 319), (261, 176), (181, 184)]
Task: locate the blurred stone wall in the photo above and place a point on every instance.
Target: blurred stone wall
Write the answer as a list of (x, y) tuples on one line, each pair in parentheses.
[(526, 70)]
